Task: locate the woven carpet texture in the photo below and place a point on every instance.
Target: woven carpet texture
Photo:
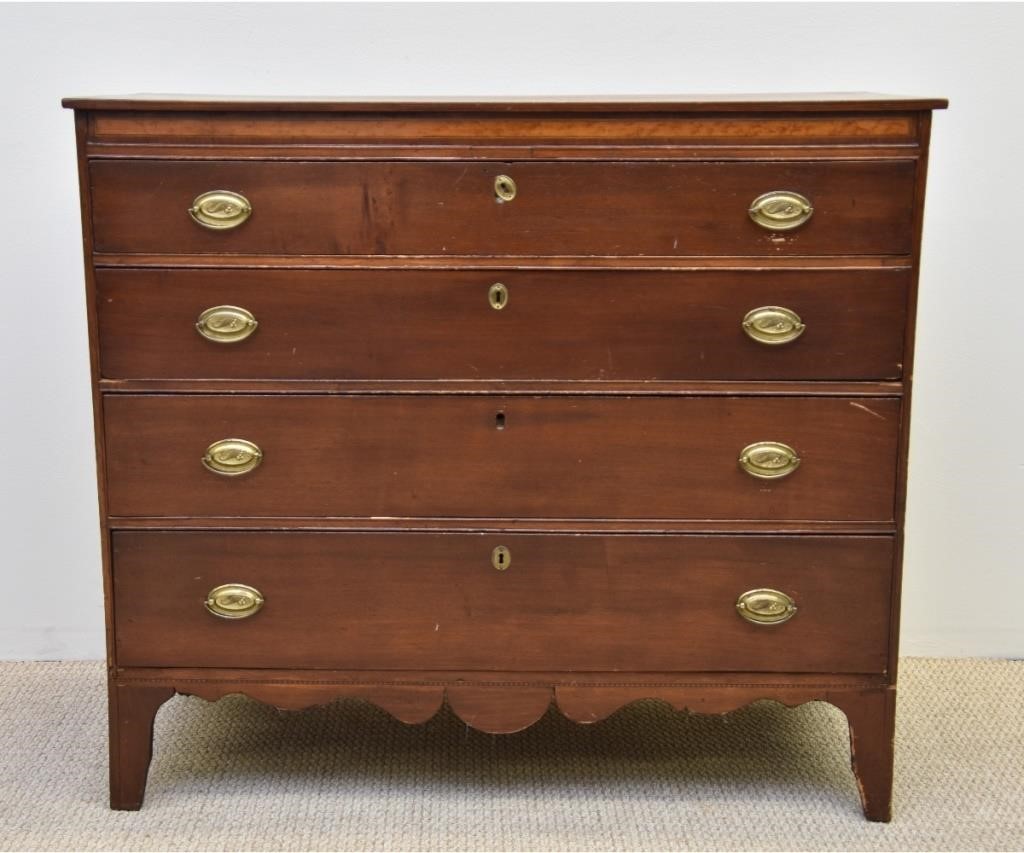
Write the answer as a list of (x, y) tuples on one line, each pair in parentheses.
[(237, 775)]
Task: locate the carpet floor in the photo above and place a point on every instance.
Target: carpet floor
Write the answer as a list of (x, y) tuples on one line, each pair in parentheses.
[(236, 775)]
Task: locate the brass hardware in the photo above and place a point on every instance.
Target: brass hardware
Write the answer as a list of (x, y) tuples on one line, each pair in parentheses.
[(769, 460), (498, 296), (226, 324), (772, 325), (234, 601), (780, 210), (765, 606), (220, 209), (501, 558), (504, 188), (232, 457)]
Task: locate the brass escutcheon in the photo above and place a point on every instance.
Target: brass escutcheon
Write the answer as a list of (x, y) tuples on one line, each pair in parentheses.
[(220, 209), (232, 457), (498, 296), (226, 324), (769, 460), (773, 325), (780, 210), (765, 606), (501, 558), (234, 601), (504, 188)]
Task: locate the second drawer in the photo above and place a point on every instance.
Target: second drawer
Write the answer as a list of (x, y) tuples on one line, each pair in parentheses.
[(502, 457), (444, 324)]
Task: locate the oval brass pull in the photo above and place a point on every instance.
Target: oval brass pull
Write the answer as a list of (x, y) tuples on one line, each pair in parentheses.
[(234, 601), (220, 209), (504, 188), (765, 606), (769, 460), (772, 325), (498, 296), (780, 210), (501, 558), (232, 457), (226, 324)]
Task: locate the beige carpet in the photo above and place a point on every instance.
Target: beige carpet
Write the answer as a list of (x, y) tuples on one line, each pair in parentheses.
[(239, 776)]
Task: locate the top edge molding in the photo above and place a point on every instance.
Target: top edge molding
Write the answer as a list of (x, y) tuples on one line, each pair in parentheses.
[(736, 103)]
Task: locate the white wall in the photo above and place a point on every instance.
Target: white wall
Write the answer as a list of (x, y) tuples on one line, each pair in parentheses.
[(964, 574)]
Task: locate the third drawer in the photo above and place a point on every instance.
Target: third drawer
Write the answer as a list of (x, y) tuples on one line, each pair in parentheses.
[(502, 456), (510, 324)]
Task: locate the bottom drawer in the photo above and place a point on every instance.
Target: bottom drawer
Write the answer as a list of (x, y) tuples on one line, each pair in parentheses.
[(554, 602)]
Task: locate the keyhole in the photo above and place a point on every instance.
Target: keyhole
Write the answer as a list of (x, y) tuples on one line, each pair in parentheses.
[(504, 188), (498, 296), (499, 420), (501, 558)]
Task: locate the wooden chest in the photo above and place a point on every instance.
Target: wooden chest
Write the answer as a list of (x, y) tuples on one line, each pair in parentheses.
[(503, 403)]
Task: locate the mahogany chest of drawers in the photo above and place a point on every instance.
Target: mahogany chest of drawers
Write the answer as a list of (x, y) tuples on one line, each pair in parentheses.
[(503, 403)]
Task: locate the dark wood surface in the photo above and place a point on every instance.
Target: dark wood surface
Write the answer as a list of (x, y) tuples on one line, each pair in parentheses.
[(451, 209), (478, 133), (624, 411), (824, 263), (233, 679), (435, 601), (602, 457), (132, 712), (505, 387), (501, 707), (670, 103), (555, 325), (572, 526)]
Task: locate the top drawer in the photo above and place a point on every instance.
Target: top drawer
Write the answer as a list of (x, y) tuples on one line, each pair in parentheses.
[(456, 208)]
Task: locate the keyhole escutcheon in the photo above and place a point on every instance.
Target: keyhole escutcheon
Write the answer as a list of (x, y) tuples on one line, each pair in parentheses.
[(498, 296), (501, 558), (504, 188)]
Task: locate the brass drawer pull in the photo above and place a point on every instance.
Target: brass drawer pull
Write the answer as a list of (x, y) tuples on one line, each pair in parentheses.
[(501, 558), (234, 601), (232, 457), (769, 460), (765, 606), (226, 324), (504, 188), (220, 209), (498, 296), (773, 325), (780, 210)]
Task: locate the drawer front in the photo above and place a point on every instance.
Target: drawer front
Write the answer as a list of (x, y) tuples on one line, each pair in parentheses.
[(451, 208), (501, 457), (429, 601), (572, 325)]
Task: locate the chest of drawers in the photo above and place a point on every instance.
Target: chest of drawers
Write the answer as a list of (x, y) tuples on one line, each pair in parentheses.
[(503, 403)]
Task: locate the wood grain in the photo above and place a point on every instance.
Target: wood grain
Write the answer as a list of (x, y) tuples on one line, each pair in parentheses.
[(583, 457), (489, 128), (132, 710), (670, 209), (434, 601), (811, 102), (556, 325)]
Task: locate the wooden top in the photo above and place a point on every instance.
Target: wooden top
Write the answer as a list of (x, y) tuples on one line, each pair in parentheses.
[(814, 102)]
